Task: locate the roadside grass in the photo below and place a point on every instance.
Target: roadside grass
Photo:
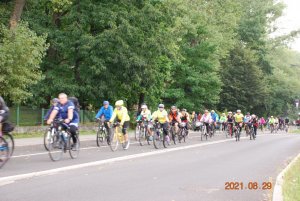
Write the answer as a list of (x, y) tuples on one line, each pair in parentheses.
[(295, 131), (291, 184)]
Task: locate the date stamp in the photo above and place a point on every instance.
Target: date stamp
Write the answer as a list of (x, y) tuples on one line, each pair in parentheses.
[(251, 185)]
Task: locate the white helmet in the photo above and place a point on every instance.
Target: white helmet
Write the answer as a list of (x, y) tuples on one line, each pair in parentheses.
[(119, 103), (144, 107)]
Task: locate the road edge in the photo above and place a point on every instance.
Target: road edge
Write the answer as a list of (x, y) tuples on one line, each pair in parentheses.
[(277, 193)]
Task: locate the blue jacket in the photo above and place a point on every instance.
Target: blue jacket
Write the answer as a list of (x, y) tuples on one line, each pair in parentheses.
[(215, 117), (106, 112)]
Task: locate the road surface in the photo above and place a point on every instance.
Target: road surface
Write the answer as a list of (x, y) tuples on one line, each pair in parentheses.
[(190, 171)]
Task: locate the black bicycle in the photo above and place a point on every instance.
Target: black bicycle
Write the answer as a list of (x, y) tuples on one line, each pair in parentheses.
[(102, 133), (174, 134), (159, 138), (61, 142), (237, 131), (251, 131), (183, 132)]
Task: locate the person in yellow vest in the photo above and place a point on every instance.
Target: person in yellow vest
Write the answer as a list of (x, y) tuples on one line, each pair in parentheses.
[(161, 116), (121, 115)]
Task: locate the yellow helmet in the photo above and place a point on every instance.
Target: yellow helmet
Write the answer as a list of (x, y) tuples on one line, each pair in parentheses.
[(119, 103)]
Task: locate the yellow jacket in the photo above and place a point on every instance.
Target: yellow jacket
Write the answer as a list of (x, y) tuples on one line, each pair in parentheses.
[(121, 115), (162, 117)]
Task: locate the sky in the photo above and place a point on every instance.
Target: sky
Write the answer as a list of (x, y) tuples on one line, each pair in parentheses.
[(290, 21)]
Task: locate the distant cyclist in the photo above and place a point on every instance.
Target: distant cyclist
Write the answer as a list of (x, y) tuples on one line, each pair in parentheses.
[(207, 120), (174, 117), (185, 117), (238, 119), (145, 118), (161, 116), (105, 112)]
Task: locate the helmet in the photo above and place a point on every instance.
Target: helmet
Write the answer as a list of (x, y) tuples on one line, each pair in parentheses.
[(105, 103), (229, 112), (223, 113), (271, 116), (161, 106), (183, 110), (173, 107), (119, 103), (253, 115), (144, 107), (238, 111), (248, 113), (213, 111)]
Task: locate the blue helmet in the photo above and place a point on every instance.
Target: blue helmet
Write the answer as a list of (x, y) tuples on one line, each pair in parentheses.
[(105, 103)]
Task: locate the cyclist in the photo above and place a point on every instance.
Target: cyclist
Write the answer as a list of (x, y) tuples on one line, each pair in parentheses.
[(215, 118), (185, 117), (161, 116), (238, 119), (247, 122), (272, 123), (54, 103), (145, 117), (254, 122), (230, 122), (286, 123), (105, 112), (262, 123), (281, 123), (276, 123), (207, 120), (65, 109), (174, 117), (4, 112), (120, 114), (223, 120)]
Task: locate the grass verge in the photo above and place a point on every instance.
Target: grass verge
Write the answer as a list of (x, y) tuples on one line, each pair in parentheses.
[(291, 184)]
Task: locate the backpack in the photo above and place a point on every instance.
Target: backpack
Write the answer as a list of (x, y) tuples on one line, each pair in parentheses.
[(7, 127), (75, 101)]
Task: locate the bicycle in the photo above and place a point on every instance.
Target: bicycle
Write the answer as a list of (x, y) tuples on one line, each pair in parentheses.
[(182, 132), (229, 129), (144, 134), (101, 133), (251, 132), (49, 133), (204, 131), (174, 134), (159, 138), (4, 151), (116, 137), (237, 131), (61, 142), (272, 127)]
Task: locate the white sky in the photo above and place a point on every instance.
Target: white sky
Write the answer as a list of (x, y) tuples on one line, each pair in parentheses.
[(290, 21)]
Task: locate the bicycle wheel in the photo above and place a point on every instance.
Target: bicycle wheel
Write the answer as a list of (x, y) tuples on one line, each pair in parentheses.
[(137, 132), (47, 137), (100, 137), (4, 152), (113, 140), (158, 140), (142, 136), (11, 143), (165, 140), (74, 148), (56, 147)]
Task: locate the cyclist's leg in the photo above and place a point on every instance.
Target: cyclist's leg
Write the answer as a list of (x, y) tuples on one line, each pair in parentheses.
[(73, 131), (124, 130), (165, 127)]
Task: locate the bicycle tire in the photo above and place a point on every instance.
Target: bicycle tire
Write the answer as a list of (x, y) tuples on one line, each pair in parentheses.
[(101, 136), (137, 132), (74, 150), (11, 142), (157, 140), (56, 147), (165, 141), (4, 153), (113, 140), (142, 136)]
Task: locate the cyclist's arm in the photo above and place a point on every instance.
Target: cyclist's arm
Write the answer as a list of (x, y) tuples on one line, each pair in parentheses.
[(70, 114), (100, 113), (52, 116)]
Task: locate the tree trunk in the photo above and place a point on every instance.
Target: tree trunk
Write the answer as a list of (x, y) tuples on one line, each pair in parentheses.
[(141, 100), (16, 14)]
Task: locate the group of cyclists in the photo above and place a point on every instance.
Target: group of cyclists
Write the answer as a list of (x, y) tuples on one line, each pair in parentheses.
[(67, 110)]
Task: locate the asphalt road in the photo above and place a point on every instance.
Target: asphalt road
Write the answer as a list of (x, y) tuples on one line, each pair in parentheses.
[(190, 171)]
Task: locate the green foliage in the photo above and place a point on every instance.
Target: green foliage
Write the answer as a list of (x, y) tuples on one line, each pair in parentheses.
[(21, 52)]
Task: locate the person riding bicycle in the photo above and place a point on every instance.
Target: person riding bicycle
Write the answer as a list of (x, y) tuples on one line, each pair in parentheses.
[(247, 122), (215, 118), (223, 121), (185, 117), (238, 119), (262, 123), (65, 109), (276, 123), (120, 114), (145, 118), (286, 121), (174, 118), (161, 117), (105, 112), (272, 122), (230, 122), (207, 120), (254, 122), (281, 122), (4, 113)]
